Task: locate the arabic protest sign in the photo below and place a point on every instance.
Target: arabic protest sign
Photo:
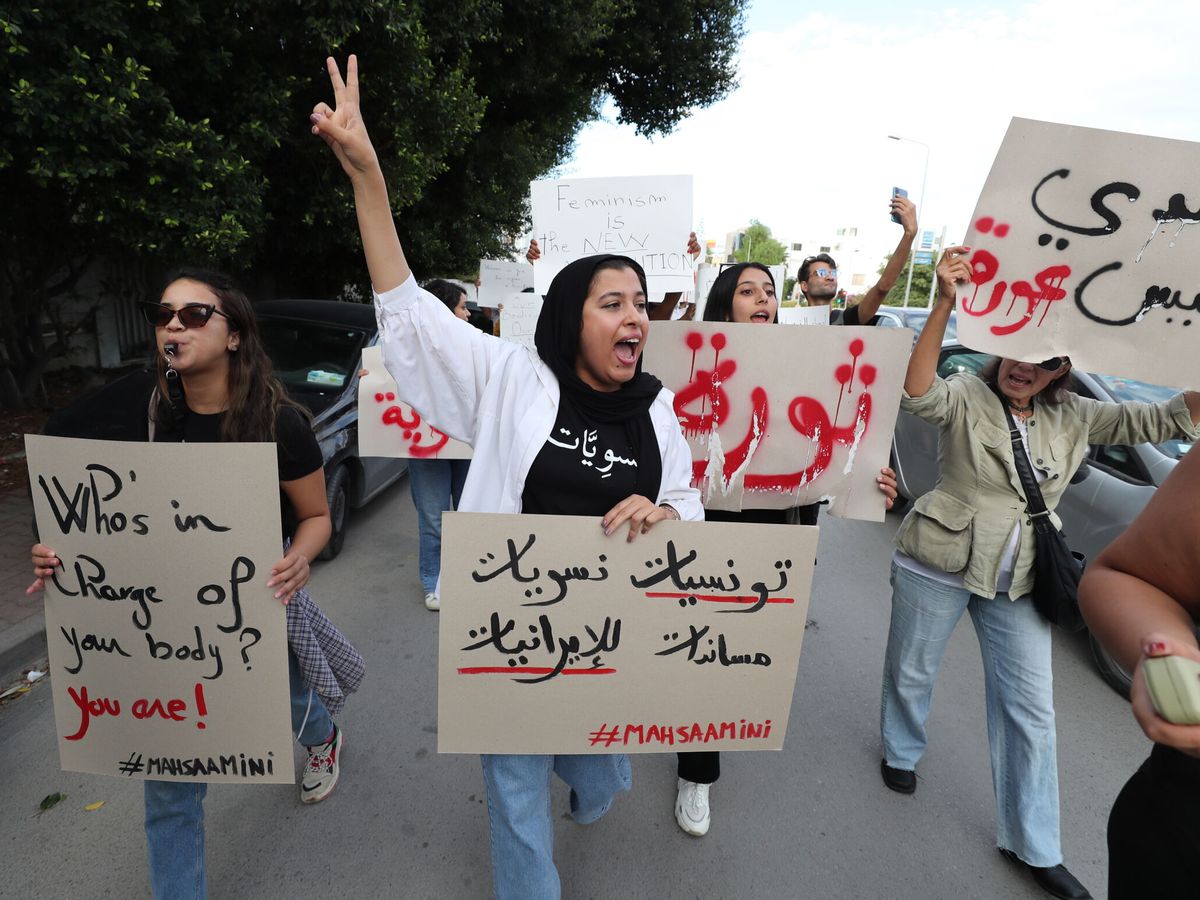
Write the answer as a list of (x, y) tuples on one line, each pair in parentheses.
[(518, 318), (556, 639), (778, 417), (389, 427), (1080, 247), (168, 650), (647, 218), (500, 278)]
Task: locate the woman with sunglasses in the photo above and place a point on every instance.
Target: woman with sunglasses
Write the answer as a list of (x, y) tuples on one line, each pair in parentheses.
[(743, 293), (968, 546), (508, 402), (212, 382)]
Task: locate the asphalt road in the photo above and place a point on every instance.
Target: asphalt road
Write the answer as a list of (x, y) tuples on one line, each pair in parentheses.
[(811, 821)]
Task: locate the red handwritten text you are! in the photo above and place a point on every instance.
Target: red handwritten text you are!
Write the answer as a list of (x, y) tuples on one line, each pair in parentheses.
[(1046, 288), (173, 709), (411, 428), (703, 406)]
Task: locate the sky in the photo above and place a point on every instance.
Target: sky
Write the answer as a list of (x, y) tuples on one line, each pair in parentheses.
[(801, 144)]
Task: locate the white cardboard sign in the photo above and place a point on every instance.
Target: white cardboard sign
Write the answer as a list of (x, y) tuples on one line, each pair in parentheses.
[(778, 417), (1082, 246), (647, 218), (518, 318), (500, 278), (389, 427)]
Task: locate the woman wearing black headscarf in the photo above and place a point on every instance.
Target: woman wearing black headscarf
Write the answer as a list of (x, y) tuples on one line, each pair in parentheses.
[(528, 417)]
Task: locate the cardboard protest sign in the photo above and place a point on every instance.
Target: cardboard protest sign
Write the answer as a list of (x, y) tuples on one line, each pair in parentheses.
[(500, 278), (647, 218), (389, 427), (518, 318), (168, 650), (556, 639), (778, 417), (1080, 247)]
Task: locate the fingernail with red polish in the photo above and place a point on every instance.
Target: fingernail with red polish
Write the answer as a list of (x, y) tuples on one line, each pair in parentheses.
[(1156, 648)]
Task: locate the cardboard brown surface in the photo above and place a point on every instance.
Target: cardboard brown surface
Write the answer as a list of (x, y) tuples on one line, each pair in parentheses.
[(389, 427), (781, 416), (1082, 246), (687, 638), (168, 652)]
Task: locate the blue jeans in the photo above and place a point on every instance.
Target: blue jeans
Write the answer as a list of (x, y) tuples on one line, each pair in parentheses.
[(1014, 642), (435, 484), (175, 809), (520, 820)]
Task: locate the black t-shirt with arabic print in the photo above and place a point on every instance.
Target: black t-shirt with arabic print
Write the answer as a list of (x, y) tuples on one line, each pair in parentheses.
[(583, 469)]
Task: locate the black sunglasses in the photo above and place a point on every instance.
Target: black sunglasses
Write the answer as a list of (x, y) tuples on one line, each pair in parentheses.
[(191, 315), (1053, 365)]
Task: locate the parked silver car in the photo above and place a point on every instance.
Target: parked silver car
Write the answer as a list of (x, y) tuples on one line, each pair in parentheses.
[(1104, 496), (913, 317)]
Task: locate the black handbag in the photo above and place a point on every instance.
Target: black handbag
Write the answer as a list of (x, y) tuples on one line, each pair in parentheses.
[(1056, 567)]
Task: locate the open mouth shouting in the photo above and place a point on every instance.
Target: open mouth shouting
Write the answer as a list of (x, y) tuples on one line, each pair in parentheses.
[(761, 315), (628, 349)]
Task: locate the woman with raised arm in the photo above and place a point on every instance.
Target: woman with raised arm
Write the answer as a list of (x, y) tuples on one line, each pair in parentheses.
[(211, 382), (506, 401), (1141, 599), (968, 545)]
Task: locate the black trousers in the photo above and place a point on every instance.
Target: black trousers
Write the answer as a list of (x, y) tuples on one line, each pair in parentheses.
[(703, 767), (1154, 830)]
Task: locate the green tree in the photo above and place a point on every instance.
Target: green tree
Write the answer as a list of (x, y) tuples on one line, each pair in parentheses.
[(922, 278), (143, 133), (759, 246)]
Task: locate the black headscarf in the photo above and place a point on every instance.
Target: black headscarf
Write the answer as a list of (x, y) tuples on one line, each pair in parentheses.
[(557, 340)]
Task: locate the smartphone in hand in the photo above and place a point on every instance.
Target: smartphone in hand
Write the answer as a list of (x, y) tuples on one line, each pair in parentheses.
[(898, 192), (1174, 684)]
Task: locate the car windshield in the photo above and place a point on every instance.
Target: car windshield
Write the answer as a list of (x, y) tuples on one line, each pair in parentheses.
[(311, 356), (1123, 389)]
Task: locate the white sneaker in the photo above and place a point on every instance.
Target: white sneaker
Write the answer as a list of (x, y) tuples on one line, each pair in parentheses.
[(691, 808), (433, 601), (322, 769)]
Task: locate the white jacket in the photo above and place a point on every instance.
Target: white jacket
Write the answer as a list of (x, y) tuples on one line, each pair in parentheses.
[(500, 398)]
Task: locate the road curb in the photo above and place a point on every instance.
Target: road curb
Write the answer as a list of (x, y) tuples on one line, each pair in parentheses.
[(22, 644)]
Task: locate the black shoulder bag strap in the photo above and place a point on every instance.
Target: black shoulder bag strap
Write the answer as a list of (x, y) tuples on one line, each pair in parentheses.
[(1034, 504)]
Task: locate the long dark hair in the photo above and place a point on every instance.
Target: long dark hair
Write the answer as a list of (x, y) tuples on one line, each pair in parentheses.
[(719, 306), (1052, 394), (255, 395), (446, 291)]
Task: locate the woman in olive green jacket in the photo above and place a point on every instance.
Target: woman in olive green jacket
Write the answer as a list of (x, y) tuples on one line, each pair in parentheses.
[(968, 546)]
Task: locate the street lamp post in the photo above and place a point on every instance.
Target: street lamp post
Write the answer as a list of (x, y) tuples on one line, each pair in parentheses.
[(920, 209)]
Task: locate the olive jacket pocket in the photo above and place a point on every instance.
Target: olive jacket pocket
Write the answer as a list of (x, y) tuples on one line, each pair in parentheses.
[(937, 532)]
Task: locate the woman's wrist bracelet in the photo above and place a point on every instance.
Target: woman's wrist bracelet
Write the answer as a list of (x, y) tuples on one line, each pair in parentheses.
[(672, 512)]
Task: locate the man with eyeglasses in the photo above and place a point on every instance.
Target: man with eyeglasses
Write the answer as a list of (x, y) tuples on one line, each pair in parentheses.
[(818, 274)]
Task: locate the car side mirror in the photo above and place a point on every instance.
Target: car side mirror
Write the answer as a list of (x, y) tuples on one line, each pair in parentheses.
[(1081, 473)]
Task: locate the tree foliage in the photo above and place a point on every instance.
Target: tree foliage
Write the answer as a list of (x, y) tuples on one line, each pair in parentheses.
[(923, 277), (759, 246), (145, 133)]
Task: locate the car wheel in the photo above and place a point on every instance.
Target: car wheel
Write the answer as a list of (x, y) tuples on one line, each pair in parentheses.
[(339, 511), (1110, 670)]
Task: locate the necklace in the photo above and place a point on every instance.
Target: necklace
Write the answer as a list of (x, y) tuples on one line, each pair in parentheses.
[(1017, 408)]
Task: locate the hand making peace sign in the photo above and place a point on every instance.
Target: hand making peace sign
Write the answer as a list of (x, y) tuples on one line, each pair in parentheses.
[(342, 127)]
